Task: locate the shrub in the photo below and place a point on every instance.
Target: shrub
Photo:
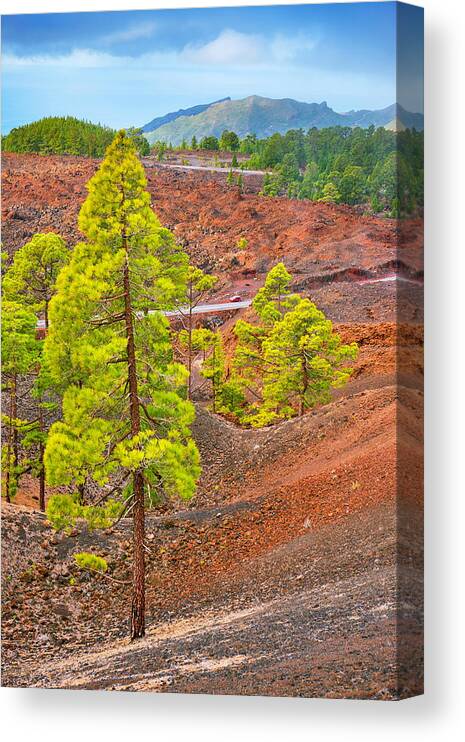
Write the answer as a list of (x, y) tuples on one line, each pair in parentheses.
[(91, 562)]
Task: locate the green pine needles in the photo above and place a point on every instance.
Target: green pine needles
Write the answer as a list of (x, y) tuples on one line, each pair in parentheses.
[(33, 273), (87, 343), (287, 361), (91, 562), (20, 355)]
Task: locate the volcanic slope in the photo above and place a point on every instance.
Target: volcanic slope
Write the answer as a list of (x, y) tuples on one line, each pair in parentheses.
[(297, 569), (287, 586)]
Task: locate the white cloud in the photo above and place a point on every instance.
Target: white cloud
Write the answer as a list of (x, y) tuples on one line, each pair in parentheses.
[(230, 47), (77, 58), (290, 49), (234, 64), (139, 31), (234, 48)]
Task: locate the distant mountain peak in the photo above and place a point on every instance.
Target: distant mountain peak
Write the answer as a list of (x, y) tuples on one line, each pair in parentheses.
[(263, 116)]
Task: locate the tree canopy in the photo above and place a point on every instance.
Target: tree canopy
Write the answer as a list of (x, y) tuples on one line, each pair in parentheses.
[(20, 354), (210, 143), (229, 141), (31, 277)]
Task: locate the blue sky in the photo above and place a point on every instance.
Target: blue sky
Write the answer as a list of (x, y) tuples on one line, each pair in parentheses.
[(125, 67)]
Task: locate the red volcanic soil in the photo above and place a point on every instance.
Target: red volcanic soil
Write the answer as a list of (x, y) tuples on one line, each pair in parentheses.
[(297, 569), (208, 217), (282, 579)]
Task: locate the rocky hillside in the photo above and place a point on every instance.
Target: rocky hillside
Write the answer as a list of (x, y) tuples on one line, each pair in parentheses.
[(208, 217), (289, 584)]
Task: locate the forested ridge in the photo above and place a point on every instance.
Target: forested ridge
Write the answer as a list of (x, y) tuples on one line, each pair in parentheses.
[(65, 135), (337, 164), (351, 166)]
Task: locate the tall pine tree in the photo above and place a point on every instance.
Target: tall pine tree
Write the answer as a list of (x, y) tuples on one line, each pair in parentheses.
[(303, 359), (270, 303), (125, 423), (31, 282)]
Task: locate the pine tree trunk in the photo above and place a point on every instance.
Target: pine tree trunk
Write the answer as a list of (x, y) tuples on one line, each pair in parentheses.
[(14, 414), (304, 386), (81, 493), (189, 349), (138, 577), (12, 443), (214, 380), (42, 467), (8, 457), (138, 584), (42, 480)]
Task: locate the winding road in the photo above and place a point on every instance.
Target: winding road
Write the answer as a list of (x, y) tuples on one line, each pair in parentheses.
[(229, 306), (205, 168), (200, 309)]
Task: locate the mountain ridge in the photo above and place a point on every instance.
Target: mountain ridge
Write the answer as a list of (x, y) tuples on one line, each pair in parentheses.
[(173, 115), (266, 116)]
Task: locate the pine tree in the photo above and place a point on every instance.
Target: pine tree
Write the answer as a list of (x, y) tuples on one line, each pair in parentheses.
[(307, 187), (270, 304), (286, 362), (352, 186), (20, 353), (125, 423), (46, 400), (375, 204), (229, 141), (30, 281), (289, 169), (213, 368), (198, 286), (271, 185), (330, 194), (303, 359), (275, 298), (32, 276)]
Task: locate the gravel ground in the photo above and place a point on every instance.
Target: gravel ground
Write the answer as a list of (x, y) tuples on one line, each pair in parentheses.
[(303, 620)]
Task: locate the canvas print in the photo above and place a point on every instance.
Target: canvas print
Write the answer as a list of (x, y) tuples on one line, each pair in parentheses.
[(212, 330)]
